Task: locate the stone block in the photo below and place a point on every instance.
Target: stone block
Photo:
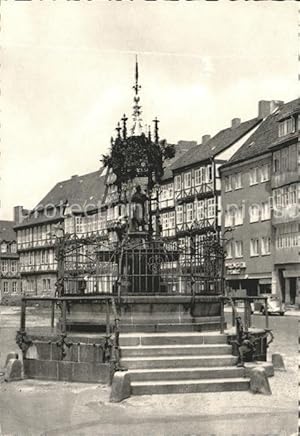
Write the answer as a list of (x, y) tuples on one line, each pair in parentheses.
[(121, 387), (55, 352), (259, 382), (87, 353), (29, 368), (278, 362), (72, 354), (11, 355), (13, 370), (100, 373), (43, 350), (45, 369), (65, 371), (81, 372)]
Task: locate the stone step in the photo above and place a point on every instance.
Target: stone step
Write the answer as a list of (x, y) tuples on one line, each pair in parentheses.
[(186, 373), (189, 386), (176, 350), (176, 338), (171, 327), (178, 361)]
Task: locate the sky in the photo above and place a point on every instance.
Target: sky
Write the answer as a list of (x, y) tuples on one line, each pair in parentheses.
[(67, 71)]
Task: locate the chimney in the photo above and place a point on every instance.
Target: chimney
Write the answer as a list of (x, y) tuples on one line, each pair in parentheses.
[(205, 139), (74, 177), (19, 214), (266, 107), (235, 122)]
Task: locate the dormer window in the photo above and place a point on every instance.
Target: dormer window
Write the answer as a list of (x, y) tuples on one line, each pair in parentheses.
[(3, 247), (286, 126)]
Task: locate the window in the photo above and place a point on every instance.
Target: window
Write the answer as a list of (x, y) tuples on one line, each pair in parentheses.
[(13, 247), (285, 159), (179, 214), (276, 162), (254, 247), (177, 183), (187, 180), (4, 266), (277, 198), (209, 173), (200, 210), (253, 174), (265, 245), (48, 284), (228, 219), (237, 181), (286, 127), (265, 173), (254, 213), (3, 247), (13, 266), (14, 287), (292, 195), (229, 250), (265, 211), (238, 216), (172, 220), (238, 246), (198, 178), (78, 223), (5, 287), (228, 186), (210, 208), (189, 212)]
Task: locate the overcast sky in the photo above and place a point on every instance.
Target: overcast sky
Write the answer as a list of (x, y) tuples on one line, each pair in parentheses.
[(68, 70)]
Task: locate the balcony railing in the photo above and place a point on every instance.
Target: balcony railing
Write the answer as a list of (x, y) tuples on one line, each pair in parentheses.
[(38, 268)]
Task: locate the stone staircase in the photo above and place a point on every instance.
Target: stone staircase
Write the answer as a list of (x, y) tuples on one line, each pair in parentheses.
[(180, 362)]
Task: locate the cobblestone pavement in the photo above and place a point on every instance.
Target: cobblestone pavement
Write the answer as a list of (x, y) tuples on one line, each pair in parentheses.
[(48, 408)]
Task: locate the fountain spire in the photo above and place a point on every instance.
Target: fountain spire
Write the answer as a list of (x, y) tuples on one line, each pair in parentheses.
[(137, 120)]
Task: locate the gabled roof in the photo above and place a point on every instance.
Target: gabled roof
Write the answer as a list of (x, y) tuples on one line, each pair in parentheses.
[(180, 149), (78, 190), (81, 192), (218, 143), (266, 134), (7, 232)]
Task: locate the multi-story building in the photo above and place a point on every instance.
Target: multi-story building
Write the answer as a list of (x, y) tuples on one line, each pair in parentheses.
[(191, 189), (285, 184), (10, 282), (74, 204), (248, 189)]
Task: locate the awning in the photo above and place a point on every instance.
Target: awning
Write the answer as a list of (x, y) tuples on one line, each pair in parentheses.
[(266, 281), (290, 273)]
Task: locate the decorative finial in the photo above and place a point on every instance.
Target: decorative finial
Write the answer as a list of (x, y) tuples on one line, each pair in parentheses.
[(149, 133), (118, 129), (124, 131), (137, 121), (156, 136)]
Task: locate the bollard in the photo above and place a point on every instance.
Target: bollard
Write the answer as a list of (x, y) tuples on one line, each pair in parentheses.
[(278, 362), (259, 383), (121, 387)]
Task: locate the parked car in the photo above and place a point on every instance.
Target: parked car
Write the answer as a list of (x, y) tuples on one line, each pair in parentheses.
[(275, 305)]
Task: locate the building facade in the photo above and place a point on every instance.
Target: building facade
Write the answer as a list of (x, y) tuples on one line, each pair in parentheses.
[(260, 203), (285, 183), (10, 281)]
